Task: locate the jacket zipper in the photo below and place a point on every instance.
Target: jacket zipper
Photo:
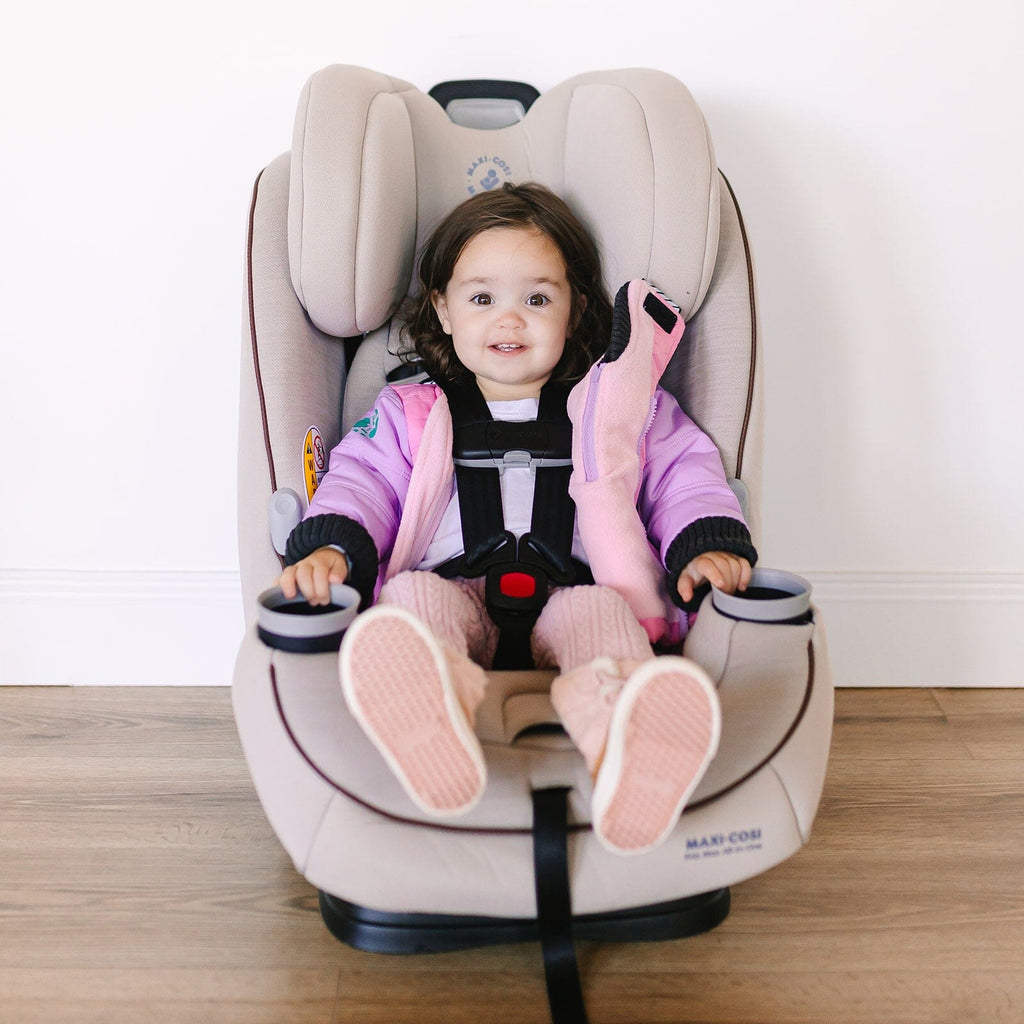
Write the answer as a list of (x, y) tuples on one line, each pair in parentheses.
[(589, 412), (590, 470), (642, 443)]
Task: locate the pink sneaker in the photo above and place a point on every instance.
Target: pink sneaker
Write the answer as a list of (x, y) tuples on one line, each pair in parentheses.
[(402, 688), (585, 700), (664, 732)]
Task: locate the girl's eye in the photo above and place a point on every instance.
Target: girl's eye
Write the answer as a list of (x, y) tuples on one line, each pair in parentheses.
[(537, 300), (481, 299)]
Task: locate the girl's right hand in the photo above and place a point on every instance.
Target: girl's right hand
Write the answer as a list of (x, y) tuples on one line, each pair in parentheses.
[(313, 575)]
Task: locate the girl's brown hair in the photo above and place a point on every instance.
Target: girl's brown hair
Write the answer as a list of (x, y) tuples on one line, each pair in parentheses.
[(513, 206)]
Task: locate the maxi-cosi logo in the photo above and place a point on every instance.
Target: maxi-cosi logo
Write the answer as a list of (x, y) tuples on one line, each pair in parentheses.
[(485, 173), (720, 844)]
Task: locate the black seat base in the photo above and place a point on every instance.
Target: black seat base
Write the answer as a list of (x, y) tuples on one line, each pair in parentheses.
[(376, 931)]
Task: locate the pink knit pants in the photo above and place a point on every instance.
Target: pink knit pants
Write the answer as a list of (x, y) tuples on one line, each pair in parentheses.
[(577, 625)]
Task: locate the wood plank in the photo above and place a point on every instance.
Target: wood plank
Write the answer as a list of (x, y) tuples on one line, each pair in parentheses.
[(83, 721), (196, 996), (996, 703), (990, 723), (841, 997), (889, 726), (884, 703)]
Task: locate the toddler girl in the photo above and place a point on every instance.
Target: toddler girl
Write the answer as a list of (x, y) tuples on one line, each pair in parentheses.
[(511, 303)]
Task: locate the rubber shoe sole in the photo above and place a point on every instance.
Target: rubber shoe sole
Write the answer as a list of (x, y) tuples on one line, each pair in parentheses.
[(664, 732), (395, 679)]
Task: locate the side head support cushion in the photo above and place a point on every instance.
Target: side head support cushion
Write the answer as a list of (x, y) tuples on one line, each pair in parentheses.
[(376, 164), (352, 199)]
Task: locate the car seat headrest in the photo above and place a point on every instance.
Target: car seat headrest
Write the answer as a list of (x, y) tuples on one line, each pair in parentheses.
[(376, 164)]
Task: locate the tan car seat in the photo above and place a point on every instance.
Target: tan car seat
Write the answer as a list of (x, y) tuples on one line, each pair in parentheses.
[(334, 227)]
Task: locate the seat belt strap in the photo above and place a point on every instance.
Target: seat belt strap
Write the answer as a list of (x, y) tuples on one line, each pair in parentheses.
[(554, 905)]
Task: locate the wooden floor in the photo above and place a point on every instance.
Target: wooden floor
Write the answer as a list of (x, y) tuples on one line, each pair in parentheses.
[(139, 882)]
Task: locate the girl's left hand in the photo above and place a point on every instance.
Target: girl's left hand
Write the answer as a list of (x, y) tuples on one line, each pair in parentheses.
[(727, 572)]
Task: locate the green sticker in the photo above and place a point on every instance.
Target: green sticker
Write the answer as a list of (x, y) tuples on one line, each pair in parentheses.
[(367, 426)]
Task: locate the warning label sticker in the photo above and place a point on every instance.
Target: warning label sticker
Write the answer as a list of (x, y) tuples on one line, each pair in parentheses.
[(314, 461)]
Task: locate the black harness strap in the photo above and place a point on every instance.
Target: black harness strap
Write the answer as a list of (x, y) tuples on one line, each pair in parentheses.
[(554, 512), (554, 905), (483, 531), (519, 572)]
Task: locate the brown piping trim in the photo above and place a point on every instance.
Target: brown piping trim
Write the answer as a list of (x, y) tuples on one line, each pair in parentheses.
[(785, 739), (753, 331), (255, 340), (368, 806), (525, 831)]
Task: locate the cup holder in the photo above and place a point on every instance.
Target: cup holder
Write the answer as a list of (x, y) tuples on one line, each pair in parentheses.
[(292, 624), (772, 596)]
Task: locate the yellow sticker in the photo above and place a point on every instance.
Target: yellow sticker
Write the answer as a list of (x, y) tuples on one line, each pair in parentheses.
[(314, 461)]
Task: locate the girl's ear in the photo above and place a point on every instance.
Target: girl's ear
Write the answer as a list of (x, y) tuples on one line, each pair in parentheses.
[(440, 304)]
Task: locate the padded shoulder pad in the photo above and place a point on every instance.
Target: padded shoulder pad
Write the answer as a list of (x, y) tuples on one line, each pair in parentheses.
[(352, 199), (630, 152)]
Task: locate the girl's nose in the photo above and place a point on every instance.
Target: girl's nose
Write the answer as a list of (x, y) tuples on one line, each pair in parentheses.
[(511, 318)]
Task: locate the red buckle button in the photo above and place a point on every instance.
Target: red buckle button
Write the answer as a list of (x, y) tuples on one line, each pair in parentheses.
[(518, 584)]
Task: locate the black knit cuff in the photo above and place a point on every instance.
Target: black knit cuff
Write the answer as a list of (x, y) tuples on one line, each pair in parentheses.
[(713, 533), (352, 537)]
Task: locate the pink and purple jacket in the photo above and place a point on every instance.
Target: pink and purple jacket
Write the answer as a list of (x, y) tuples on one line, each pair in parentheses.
[(648, 484)]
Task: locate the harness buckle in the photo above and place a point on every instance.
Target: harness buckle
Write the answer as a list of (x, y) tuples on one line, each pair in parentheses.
[(517, 584), (515, 589)]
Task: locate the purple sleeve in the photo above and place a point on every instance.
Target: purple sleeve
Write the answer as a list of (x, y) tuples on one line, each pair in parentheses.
[(684, 484), (368, 474)]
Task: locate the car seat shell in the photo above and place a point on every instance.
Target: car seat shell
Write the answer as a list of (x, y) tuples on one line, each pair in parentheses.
[(333, 227)]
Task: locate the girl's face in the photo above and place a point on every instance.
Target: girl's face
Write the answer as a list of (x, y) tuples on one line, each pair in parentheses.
[(507, 308)]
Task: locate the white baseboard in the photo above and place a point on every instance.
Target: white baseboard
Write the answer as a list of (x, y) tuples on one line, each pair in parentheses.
[(942, 629), (119, 628), (184, 628)]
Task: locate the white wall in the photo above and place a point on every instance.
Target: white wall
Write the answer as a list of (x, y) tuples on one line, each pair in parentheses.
[(876, 150)]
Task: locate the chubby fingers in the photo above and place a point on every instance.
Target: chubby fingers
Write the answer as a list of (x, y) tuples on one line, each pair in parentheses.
[(313, 579), (286, 581), (686, 584), (725, 571), (313, 576), (721, 569)]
